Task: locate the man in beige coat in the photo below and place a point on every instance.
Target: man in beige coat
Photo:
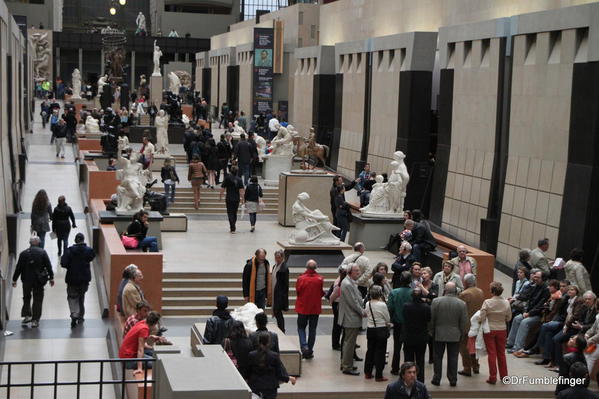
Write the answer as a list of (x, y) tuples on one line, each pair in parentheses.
[(473, 297), (132, 294), (351, 314)]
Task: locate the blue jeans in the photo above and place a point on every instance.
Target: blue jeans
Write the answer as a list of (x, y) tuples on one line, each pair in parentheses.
[(545, 340), (148, 354), (311, 321), (149, 241), (260, 300), (42, 236), (244, 172), (519, 331), (252, 219), (557, 341), (62, 240), (169, 191)]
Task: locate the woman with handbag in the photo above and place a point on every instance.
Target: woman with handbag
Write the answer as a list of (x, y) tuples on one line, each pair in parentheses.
[(376, 334), (253, 200), (196, 176)]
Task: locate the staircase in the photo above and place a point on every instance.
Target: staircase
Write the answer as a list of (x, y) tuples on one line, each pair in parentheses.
[(210, 203), (194, 294)]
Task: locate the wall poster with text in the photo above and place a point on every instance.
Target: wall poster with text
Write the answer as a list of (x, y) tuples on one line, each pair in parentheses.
[(263, 69)]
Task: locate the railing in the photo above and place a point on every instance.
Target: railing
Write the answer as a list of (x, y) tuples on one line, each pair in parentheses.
[(9, 371)]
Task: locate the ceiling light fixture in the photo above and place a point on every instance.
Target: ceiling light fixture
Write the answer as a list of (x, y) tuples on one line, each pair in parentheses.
[(123, 2), (112, 10)]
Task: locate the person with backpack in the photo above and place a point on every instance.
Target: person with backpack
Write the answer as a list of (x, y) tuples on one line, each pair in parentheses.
[(253, 201), (76, 260), (35, 270), (218, 326)]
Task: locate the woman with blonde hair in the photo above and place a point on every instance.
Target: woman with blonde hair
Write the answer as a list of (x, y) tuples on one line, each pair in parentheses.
[(496, 310)]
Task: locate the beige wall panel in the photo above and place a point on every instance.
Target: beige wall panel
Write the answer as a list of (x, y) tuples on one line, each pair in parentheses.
[(352, 120), (222, 89), (384, 106), (347, 20), (246, 79), (538, 143), (476, 73), (302, 96), (214, 81)]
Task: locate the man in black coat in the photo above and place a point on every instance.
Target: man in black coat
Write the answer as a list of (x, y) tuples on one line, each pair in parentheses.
[(219, 325), (76, 260), (224, 150), (280, 289), (338, 181), (35, 271), (406, 386), (244, 155), (403, 262), (422, 239), (417, 315), (59, 135), (254, 150)]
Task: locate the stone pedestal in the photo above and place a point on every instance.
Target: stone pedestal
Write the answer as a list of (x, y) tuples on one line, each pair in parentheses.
[(156, 90), (296, 255), (291, 184), (275, 165), (373, 232)]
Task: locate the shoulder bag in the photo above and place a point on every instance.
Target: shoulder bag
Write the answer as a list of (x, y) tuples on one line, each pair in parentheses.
[(386, 333)]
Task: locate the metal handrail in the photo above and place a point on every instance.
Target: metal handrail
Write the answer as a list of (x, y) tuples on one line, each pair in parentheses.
[(78, 383)]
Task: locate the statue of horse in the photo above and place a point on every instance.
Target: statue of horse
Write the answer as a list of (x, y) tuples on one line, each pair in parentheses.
[(310, 149)]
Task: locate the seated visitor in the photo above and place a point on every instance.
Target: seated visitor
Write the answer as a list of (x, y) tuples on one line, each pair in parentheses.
[(580, 372), (141, 312), (138, 229), (128, 274), (137, 343), (219, 325), (522, 323), (523, 258), (422, 239), (261, 321), (132, 294), (575, 353), (407, 386)]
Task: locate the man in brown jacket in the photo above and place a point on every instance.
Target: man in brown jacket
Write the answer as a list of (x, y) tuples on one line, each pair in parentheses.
[(473, 297)]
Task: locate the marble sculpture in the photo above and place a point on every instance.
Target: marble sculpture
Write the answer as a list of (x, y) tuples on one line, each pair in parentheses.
[(387, 199), (91, 125), (312, 227), (76, 83), (282, 144), (157, 55), (130, 193), (174, 83), (161, 124)]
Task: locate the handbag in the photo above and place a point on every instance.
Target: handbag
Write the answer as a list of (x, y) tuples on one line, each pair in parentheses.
[(129, 242), (387, 332), (591, 348), (261, 205)]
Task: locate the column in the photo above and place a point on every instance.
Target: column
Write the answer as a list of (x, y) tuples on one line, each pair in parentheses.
[(102, 62), (57, 73), (133, 81), (81, 62)]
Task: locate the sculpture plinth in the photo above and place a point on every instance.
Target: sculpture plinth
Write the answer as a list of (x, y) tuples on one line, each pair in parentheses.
[(275, 165), (156, 90)]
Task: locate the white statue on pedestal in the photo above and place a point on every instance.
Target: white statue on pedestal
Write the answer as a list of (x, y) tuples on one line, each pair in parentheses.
[(91, 125), (174, 83), (282, 144), (140, 21), (312, 227), (101, 83), (387, 199), (260, 146), (157, 55), (161, 124), (237, 130), (130, 192), (76, 83)]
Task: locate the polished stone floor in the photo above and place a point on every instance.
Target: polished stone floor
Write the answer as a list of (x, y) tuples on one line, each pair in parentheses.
[(207, 246)]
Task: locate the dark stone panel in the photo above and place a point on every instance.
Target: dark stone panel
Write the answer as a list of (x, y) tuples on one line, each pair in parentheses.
[(414, 133), (367, 111), (579, 223), (445, 104), (490, 226), (206, 80), (338, 107), (323, 110), (233, 87)]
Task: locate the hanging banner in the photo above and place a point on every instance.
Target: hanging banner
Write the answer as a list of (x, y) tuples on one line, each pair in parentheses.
[(263, 69)]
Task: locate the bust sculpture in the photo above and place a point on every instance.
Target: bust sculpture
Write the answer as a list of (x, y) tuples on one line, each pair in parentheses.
[(161, 123), (312, 227), (91, 125), (76, 83), (174, 83), (282, 144), (387, 199), (130, 192), (157, 55)]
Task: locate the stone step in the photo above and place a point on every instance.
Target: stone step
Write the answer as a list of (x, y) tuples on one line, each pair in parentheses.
[(234, 301), (225, 283), (293, 274), (217, 202), (207, 310), (216, 190), (207, 210)]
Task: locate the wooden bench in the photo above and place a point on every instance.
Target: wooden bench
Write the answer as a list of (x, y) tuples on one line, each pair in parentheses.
[(289, 352)]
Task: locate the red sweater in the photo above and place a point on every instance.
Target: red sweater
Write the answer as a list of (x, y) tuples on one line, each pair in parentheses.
[(309, 293)]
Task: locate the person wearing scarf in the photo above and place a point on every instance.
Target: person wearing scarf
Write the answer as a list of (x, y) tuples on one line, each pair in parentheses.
[(257, 287)]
